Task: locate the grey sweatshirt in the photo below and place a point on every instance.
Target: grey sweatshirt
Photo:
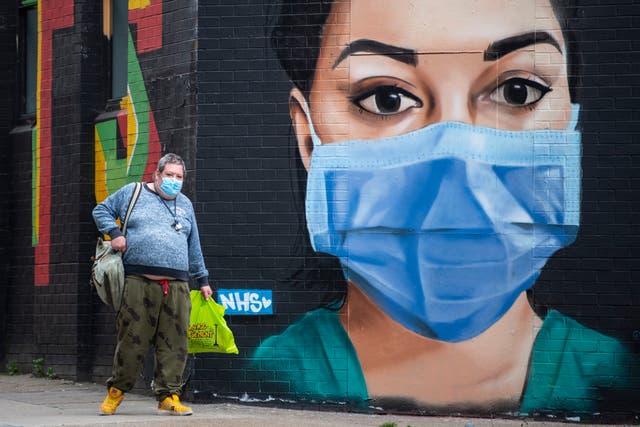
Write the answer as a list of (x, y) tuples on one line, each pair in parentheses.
[(154, 246)]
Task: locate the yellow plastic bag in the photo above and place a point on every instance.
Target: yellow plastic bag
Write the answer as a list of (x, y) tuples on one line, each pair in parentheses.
[(208, 331)]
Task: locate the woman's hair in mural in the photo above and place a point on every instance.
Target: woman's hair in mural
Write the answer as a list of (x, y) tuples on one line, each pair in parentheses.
[(297, 35), (296, 38), (297, 49)]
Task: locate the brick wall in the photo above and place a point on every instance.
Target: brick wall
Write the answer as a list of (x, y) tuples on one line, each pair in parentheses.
[(7, 112), (599, 272), (217, 95), (248, 189)]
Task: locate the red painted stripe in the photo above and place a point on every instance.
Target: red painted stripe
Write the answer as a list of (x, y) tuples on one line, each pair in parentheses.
[(149, 22), (56, 14), (155, 150), (121, 119)]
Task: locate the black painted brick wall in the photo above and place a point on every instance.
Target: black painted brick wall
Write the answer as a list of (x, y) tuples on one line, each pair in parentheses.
[(596, 279), (8, 69), (169, 75), (18, 317), (19, 325), (248, 199), (93, 92)]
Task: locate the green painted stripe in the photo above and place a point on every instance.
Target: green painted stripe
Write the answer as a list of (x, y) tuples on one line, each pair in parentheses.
[(143, 112), (27, 3), (121, 171)]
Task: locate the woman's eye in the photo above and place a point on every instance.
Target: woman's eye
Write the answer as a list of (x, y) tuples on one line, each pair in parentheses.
[(387, 100), (519, 92)]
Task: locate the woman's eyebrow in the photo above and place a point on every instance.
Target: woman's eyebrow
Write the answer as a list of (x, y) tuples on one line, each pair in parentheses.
[(500, 48), (407, 56)]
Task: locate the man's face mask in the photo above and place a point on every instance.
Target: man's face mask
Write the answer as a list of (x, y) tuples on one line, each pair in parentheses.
[(171, 186), (444, 227)]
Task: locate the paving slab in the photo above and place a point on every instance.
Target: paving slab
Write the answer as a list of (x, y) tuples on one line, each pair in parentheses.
[(26, 401)]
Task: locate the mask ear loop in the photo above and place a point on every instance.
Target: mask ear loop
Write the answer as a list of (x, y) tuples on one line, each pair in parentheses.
[(314, 136), (575, 115)]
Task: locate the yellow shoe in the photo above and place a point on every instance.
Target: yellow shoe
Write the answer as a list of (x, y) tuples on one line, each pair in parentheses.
[(171, 405), (111, 402)]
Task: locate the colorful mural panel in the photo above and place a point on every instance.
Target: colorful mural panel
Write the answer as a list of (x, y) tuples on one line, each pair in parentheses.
[(127, 147), (443, 172)]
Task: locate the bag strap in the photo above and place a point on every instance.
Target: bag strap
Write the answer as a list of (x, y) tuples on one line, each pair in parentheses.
[(132, 203)]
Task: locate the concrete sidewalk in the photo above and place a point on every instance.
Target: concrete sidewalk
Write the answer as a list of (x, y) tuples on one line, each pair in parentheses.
[(28, 401)]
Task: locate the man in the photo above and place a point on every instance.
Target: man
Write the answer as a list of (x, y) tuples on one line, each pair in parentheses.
[(161, 251)]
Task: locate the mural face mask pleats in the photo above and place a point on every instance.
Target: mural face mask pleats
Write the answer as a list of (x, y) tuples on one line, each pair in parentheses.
[(444, 227)]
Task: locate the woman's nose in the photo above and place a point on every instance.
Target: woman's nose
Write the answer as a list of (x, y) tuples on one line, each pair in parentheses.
[(455, 107)]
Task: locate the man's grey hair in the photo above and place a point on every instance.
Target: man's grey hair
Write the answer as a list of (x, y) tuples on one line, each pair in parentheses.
[(173, 159)]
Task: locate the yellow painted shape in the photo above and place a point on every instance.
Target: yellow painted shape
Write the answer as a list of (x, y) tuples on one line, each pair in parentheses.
[(101, 175), (101, 170), (107, 9), (139, 4), (132, 126)]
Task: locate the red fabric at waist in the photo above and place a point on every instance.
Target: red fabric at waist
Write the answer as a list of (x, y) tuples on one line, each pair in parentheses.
[(165, 286)]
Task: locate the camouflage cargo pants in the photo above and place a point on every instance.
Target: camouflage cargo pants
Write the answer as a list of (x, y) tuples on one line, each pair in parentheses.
[(148, 317)]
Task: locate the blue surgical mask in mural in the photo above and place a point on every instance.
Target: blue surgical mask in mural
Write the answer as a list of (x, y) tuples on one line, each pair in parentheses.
[(171, 186), (444, 227)]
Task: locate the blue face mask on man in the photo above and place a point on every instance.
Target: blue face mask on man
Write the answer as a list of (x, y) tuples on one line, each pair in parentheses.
[(444, 227), (171, 186)]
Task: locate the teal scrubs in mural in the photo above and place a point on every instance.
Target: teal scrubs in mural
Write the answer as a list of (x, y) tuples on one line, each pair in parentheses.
[(316, 357), (578, 369), (573, 368)]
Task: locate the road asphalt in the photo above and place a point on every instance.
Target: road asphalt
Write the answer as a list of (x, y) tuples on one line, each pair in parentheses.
[(26, 401)]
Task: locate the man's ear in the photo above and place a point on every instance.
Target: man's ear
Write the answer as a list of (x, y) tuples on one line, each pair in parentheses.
[(301, 126)]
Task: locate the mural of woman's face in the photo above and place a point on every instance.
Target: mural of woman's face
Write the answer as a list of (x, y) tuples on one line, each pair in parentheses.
[(384, 71)]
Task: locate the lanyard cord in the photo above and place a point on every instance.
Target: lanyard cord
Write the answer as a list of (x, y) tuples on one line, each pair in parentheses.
[(176, 225), (174, 214)]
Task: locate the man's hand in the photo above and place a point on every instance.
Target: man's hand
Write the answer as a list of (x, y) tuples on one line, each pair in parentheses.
[(206, 292), (119, 244)]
